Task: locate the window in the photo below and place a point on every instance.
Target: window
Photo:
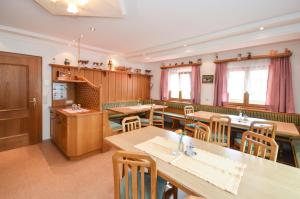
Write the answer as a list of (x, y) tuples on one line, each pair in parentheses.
[(180, 80), (248, 76)]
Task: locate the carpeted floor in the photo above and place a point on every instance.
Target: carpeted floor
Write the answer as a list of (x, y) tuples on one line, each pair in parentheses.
[(41, 172)]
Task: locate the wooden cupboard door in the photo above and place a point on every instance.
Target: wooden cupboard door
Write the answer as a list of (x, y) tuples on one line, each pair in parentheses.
[(20, 100)]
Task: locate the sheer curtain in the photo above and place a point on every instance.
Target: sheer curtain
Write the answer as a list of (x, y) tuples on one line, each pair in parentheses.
[(180, 79), (248, 76)]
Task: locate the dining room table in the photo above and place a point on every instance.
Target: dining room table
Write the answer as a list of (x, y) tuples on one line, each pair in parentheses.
[(283, 129), (259, 178), (140, 108)]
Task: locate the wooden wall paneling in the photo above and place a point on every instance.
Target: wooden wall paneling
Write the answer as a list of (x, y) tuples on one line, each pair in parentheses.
[(129, 87), (112, 87), (79, 72), (134, 87), (148, 88), (124, 89), (97, 78), (139, 87), (105, 88), (118, 87), (144, 86), (89, 75)]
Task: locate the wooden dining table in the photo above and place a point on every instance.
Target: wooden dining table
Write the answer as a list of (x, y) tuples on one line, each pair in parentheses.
[(129, 110), (262, 178), (283, 129)]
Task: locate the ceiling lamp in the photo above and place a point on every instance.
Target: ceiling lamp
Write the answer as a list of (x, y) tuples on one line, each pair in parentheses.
[(82, 2), (72, 8)]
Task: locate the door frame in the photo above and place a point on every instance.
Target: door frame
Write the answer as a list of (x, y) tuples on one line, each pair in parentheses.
[(37, 135)]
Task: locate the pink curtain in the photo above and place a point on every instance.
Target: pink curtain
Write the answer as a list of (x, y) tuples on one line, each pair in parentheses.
[(164, 91), (280, 96), (220, 93), (196, 84)]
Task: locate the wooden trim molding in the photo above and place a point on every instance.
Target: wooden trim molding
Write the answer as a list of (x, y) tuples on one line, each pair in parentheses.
[(180, 66), (287, 53)]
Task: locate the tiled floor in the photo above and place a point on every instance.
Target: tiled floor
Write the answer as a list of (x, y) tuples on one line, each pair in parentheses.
[(40, 171)]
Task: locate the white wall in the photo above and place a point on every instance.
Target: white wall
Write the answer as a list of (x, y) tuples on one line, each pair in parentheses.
[(10, 42), (208, 68)]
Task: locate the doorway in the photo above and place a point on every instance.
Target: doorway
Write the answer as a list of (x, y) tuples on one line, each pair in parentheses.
[(20, 100)]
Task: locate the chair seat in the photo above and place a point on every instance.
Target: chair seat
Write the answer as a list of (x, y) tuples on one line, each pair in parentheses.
[(115, 126), (191, 125), (144, 121), (160, 186), (116, 116), (157, 117)]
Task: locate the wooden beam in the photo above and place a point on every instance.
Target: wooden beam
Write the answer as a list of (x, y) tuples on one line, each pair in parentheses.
[(284, 54), (180, 66)]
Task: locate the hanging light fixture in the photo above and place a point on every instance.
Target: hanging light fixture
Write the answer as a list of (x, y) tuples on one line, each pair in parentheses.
[(72, 8), (82, 2)]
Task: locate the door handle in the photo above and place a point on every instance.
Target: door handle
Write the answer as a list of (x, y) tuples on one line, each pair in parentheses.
[(34, 101)]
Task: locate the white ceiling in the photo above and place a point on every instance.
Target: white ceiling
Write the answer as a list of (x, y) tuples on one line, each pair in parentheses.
[(152, 26)]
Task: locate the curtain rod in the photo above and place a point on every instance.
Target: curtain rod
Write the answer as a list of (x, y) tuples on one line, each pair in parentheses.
[(180, 66), (287, 53)]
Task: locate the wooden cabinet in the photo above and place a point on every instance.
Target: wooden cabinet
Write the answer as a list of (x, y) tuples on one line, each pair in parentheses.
[(76, 134)]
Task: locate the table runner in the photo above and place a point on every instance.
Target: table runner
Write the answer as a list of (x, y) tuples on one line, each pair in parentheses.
[(217, 170)]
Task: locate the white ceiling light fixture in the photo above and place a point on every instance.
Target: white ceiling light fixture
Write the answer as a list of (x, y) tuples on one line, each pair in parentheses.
[(261, 28), (82, 2), (72, 8), (86, 8)]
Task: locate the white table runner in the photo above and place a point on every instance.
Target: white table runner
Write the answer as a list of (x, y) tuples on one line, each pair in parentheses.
[(217, 170)]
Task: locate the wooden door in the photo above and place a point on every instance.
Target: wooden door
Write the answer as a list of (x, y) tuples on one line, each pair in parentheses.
[(20, 100)]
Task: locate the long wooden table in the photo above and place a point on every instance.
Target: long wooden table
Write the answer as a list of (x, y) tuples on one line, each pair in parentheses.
[(262, 178), (283, 129), (128, 110)]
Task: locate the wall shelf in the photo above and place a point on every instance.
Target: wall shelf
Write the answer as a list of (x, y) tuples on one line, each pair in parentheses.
[(180, 65), (95, 69)]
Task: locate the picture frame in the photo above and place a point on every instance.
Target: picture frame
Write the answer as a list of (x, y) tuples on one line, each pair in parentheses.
[(207, 79)]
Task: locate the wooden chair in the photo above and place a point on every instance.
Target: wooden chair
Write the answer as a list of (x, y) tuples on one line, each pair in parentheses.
[(131, 123), (202, 132), (140, 176), (158, 119), (148, 121), (259, 145), (189, 120), (261, 127), (220, 127)]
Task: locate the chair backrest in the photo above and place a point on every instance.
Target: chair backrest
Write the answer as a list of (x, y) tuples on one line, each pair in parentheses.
[(151, 113), (137, 164), (188, 110), (131, 123), (202, 132), (259, 145), (220, 127), (265, 128)]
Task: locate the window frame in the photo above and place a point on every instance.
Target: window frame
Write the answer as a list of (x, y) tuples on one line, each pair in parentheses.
[(182, 99), (246, 97)]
